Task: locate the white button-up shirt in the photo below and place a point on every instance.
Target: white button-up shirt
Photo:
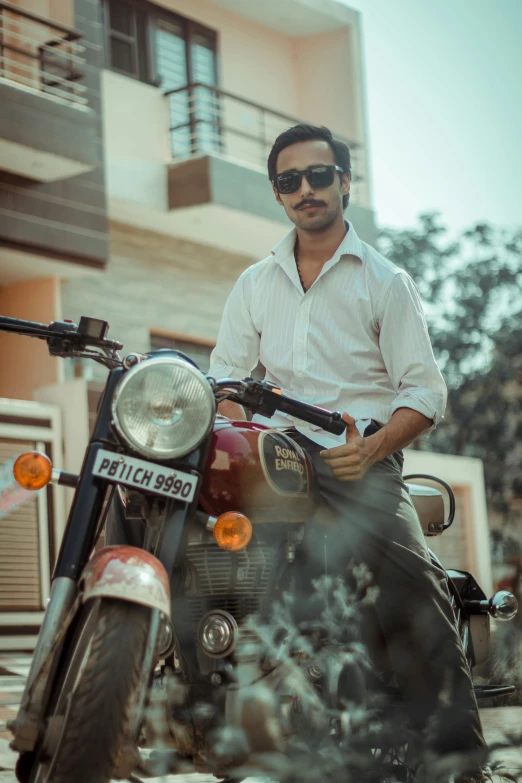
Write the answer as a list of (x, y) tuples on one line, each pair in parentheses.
[(356, 341)]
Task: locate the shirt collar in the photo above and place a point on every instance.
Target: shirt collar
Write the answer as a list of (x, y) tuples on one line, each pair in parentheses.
[(350, 246)]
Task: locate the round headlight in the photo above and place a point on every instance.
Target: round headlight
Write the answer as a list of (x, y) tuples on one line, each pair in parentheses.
[(163, 408)]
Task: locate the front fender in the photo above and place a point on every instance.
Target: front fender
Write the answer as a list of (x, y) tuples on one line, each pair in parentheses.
[(127, 573)]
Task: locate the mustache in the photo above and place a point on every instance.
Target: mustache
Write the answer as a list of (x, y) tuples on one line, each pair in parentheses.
[(309, 203)]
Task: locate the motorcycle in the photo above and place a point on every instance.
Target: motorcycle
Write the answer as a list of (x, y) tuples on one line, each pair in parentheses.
[(218, 508)]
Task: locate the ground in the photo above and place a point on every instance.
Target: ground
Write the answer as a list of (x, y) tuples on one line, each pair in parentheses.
[(15, 666)]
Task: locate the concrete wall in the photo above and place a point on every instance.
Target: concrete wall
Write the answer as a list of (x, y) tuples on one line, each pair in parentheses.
[(61, 11), (135, 131), (154, 281), (25, 361), (466, 476), (330, 92), (325, 87), (71, 398)]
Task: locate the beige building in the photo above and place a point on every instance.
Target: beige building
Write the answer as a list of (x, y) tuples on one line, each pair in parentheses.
[(133, 188), (144, 193)]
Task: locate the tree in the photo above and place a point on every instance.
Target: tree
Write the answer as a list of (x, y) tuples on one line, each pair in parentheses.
[(471, 287)]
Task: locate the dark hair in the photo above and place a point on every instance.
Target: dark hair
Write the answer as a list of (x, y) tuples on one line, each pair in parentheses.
[(304, 132)]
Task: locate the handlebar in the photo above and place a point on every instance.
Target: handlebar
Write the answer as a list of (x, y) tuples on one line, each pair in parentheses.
[(327, 420), (19, 326), (263, 397), (65, 338)]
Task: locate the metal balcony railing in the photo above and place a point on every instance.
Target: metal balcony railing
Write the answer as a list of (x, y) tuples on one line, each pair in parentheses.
[(41, 54), (205, 119)]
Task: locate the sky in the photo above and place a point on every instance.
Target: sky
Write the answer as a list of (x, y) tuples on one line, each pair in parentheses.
[(444, 99)]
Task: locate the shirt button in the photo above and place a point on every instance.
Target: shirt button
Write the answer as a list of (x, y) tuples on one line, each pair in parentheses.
[(300, 340), (300, 374)]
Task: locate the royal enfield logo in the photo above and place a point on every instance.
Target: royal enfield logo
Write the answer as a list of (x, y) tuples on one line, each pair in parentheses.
[(283, 464), (287, 459)]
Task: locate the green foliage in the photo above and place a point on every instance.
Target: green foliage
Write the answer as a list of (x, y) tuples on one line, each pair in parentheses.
[(471, 287), (335, 730)]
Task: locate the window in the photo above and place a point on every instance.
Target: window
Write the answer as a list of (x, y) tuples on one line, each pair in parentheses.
[(197, 349), (159, 47), (126, 26)]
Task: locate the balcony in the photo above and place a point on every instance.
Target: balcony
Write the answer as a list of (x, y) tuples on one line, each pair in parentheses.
[(219, 143), (216, 132), (186, 143), (46, 126)]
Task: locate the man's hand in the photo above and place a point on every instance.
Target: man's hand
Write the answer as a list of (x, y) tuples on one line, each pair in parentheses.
[(354, 458)]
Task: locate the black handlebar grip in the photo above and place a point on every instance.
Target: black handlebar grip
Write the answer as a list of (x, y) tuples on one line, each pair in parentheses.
[(331, 422), (337, 426), (19, 322)]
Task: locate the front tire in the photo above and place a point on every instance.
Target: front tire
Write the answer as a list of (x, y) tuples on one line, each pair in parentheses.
[(92, 704)]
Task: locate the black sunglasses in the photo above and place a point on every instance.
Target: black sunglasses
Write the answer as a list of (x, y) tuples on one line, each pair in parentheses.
[(316, 176)]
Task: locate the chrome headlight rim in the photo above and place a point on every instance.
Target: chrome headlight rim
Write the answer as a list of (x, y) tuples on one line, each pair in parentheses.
[(126, 437)]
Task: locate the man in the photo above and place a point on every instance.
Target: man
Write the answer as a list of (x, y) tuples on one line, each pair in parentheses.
[(337, 325)]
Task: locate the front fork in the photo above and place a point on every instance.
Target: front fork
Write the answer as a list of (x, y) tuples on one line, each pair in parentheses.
[(66, 596), (59, 613), (77, 544)]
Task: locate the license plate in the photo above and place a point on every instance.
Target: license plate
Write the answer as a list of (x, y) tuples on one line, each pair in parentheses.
[(146, 476)]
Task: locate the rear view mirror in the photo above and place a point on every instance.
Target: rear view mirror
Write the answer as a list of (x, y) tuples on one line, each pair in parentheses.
[(434, 502)]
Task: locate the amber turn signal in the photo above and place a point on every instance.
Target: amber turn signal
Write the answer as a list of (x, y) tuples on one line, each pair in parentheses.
[(32, 470), (232, 531)]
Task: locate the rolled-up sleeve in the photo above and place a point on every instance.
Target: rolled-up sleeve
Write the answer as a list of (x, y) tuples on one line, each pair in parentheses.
[(407, 351), (237, 348)]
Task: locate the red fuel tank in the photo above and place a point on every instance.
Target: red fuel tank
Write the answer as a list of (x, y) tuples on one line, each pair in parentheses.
[(259, 471)]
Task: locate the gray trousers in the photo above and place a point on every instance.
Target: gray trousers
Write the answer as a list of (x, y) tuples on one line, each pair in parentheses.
[(375, 521)]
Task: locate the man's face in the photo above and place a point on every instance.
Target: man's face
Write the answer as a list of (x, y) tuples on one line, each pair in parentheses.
[(309, 209)]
